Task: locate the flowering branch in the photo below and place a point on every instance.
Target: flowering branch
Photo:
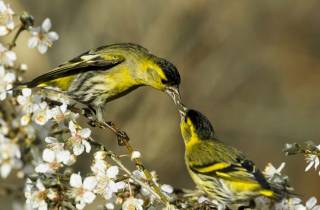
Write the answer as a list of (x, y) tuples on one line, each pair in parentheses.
[(27, 22), (310, 150), (117, 160), (41, 139), (140, 166)]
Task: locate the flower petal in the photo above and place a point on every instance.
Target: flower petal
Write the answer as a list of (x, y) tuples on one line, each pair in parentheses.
[(42, 48), (46, 24), (26, 92), (87, 146), (89, 197), (50, 140), (3, 31), (78, 149), (5, 170), (89, 183), (72, 127), (112, 172), (40, 185), (316, 162), (48, 155), (317, 207), (11, 55), (63, 156), (80, 205), (167, 188), (85, 133), (53, 36), (43, 168), (33, 42), (75, 181), (311, 202), (309, 166)]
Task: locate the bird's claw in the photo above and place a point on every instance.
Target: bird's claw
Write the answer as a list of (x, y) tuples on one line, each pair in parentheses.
[(88, 113), (123, 138)]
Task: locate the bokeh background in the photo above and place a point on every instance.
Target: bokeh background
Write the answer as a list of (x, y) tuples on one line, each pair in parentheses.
[(251, 66)]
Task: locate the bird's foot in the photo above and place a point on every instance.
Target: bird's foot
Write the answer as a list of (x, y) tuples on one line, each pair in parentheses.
[(89, 114), (122, 136)]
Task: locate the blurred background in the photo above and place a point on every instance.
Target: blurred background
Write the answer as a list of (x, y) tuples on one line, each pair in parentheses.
[(251, 66)]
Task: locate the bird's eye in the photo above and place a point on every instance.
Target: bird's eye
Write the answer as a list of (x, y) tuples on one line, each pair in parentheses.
[(164, 81)]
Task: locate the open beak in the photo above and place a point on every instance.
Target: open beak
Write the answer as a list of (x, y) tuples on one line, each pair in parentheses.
[(174, 93)]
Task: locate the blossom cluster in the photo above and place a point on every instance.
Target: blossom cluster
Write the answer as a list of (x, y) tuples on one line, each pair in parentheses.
[(41, 142), (310, 150)]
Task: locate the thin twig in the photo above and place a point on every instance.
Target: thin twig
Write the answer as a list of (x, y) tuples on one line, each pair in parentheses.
[(140, 166), (26, 22), (14, 40)]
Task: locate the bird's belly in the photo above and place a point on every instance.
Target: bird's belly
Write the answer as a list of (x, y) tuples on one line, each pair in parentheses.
[(99, 89), (213, 187), (224, 191)]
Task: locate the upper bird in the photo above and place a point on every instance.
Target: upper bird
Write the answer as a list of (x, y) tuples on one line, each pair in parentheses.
[(221, 171), (109, 72)]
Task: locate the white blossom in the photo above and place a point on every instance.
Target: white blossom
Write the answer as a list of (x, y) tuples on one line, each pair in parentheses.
[(41, 113), (9, 156), (107, 184), (132, 204), (270, 171), (82, 192), (312, 160), (27, 101), (36, 195), (4, 127), (78, 139), (6, 81), (7, 57), (109, 206), (59, 113), (311, 204), (53, 143), (42, 37), (99, 165), (167, 188), (53, 160), (6, 19), (293, 203), (23, 67), (135, 155)]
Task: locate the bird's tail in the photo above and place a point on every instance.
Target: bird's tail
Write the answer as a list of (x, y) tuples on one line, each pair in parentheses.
[(282, 191)]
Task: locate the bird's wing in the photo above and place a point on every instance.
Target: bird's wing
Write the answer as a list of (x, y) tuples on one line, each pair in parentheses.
[(88, 61), (242, 171)]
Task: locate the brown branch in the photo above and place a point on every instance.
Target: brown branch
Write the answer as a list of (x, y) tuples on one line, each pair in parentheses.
[(26, 22)]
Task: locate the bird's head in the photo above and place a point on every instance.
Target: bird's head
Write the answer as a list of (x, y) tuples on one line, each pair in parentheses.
[(164, 76), (195, 125)]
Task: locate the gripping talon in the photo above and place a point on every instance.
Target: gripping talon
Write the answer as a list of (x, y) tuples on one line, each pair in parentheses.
[(122, 138)]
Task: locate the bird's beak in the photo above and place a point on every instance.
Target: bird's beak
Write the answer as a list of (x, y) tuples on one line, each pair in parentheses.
[(182, 111), (174, 93)]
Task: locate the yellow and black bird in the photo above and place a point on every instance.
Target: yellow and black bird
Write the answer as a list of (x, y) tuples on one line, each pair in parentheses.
[(109, 72), (221, 171)]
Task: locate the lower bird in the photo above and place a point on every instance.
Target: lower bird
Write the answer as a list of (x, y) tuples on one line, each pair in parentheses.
[(109, 72), (219, 170)]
